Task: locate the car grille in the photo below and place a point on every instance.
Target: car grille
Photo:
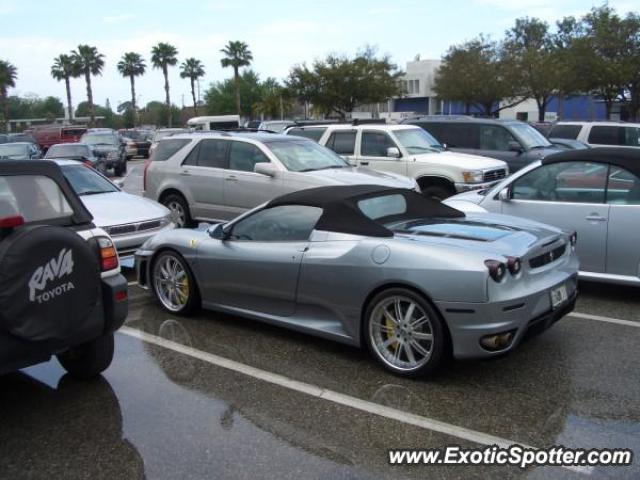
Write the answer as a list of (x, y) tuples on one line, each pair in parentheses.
[(133, 227), (493, 175), (548, 257)]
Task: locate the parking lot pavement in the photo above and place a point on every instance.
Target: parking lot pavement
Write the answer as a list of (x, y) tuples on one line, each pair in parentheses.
[(168, 407)]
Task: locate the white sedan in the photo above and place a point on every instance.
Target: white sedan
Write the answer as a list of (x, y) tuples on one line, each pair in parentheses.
[(129, 219)]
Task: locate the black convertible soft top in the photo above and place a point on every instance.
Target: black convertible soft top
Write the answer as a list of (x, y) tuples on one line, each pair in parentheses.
[(628, 158), (341, 212)]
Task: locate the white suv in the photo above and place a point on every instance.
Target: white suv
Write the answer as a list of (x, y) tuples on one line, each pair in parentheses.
[(410, 151), (599, 134)]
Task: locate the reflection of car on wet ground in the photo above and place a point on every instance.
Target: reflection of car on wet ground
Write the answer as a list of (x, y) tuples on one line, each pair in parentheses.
[(61, 291), (409, 277), (595, 192), (129, 219)]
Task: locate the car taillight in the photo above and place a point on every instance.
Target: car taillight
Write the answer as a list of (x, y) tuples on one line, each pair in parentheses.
[(144, 174), (13, 221), (514, 264), (108, 254), (497, 270)]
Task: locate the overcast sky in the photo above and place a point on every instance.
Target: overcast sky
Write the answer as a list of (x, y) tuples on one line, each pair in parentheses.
[(280, 33)]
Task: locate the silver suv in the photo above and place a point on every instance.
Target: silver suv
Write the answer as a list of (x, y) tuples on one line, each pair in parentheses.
[(215, 176)]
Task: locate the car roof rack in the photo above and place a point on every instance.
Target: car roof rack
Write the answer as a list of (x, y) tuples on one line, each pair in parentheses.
[(354, 122)]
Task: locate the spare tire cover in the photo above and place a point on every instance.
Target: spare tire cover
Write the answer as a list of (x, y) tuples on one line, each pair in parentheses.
[(49, 283)]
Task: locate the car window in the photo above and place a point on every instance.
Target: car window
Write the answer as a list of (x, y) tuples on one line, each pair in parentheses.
[(13, 151), (244, 156), (285, 223), (581, 182), (623, 187), (615, 135), (310, 133), (455, 135), (68, 150), (383, 206), (213, 153), (35, 197), (375, 144), (495, 137), (167, 148), (565, 131), (343, 143), (299, 155)]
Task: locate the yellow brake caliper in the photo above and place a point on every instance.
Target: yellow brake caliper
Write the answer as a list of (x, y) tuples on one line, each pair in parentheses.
[(184, 287), (391, 330)]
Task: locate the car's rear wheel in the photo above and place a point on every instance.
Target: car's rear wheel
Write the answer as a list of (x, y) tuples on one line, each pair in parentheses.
[(178, 206), (89, 359), (173, 284), (404, 333)]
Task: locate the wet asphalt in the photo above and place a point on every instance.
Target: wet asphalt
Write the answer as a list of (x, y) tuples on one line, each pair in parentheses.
[(160, 414)]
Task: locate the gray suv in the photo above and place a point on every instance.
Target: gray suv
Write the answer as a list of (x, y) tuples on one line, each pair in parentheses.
[(515, 142), (215, 176)]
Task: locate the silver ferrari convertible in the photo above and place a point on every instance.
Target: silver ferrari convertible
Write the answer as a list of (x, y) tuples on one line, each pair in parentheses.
[(411, 278)]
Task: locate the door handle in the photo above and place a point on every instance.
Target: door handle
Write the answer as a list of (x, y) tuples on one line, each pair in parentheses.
[(231, 178), (364, 163), (595, 218), (185, 173)]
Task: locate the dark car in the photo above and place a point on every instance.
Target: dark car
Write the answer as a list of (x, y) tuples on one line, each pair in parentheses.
[(4, 138), (515, 142), (20, 137), (61, 291), (141, 139), (107, 146), (77, 151), (20, 151)]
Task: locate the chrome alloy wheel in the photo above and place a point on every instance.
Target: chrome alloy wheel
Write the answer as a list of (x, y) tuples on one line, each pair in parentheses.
[(178, 213), (171, 283), (401, 333)]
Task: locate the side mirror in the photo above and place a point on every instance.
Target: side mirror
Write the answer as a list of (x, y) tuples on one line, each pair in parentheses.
[(218, 232), (393, 152), (504, 195), (265, 168), (515, 147)]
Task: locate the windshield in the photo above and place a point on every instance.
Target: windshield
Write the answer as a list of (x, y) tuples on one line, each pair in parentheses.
[(99, 139), (86, 181), (9, 150), (529, 136), (416, 140), (61, 151), (306, 156)]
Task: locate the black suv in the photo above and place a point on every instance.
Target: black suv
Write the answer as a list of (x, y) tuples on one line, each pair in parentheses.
[(61, 291), (515, 142)]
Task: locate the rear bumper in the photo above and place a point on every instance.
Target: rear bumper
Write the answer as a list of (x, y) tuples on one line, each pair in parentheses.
[(468, 323), (116, 302)]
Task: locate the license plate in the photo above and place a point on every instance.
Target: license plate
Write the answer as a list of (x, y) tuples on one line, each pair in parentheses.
[(559, 295)]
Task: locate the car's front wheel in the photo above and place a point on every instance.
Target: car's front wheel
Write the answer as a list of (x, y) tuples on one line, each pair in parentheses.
[(89, 359), (404, 333), (173, 284)]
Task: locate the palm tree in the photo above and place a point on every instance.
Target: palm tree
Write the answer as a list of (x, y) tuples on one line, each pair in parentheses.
[(64, 68), (132, 65), (89, 62), (192, 69), (8, 75), (237, 54), (163, 55)]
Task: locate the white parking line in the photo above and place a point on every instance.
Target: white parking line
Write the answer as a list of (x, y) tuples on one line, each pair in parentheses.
[(335, 397), (131, 284), (598, 318)]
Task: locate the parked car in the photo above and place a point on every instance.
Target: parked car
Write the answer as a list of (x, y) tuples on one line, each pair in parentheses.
[(4, 138), (599, 134), (19, 151), (106, 145), (567, 144), (77, 151), (218, 175), (61, 291), (141, 140), (215, 122), (129, 219), (21, 137), (408, 277), (163, 133), (595, 192), (48, 135), (409, 150), (130, 147), (515, 142)]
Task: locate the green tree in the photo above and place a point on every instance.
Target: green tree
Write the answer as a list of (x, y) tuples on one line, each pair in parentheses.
[(89, 62), (531, 53), (8, 76), (64, 68), (236, 55), (156, 113), (475, 74), (275, 101), (303, 84), (192, 69), (132, 65), (220, 97), (163, 56)]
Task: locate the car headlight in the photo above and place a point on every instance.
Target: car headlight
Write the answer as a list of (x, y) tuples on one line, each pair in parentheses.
[(473, 176)]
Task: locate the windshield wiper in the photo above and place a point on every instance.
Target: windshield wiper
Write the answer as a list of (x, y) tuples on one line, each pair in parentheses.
[(94, 192), (321, 168)]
